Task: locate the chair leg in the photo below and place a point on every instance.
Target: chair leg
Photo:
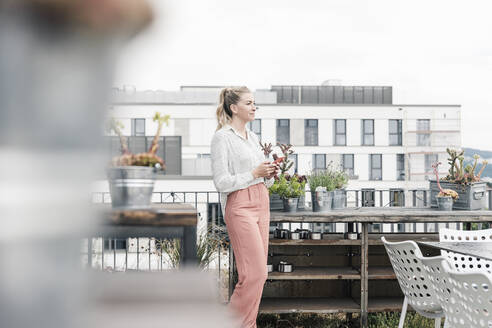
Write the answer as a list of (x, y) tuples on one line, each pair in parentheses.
[(403, 313), (437, 323)]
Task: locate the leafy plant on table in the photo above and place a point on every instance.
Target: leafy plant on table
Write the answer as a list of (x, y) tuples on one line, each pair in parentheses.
[(287, 186), (321, 178), (458, 173)]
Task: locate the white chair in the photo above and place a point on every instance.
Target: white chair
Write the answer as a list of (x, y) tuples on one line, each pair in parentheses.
[(474, 293), (466, 263), (443, 289), (405, 258)]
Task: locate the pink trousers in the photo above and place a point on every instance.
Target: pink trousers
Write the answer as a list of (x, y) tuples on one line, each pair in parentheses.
[(247, 216)]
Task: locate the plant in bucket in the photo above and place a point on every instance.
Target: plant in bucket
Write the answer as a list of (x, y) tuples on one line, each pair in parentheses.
[(131, 176), (445, 197), (322, 184), (462, 179), (339, 196), (284, 163), (289, 188)]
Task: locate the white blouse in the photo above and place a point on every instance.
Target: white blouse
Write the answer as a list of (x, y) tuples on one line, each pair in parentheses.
[(233, 159)]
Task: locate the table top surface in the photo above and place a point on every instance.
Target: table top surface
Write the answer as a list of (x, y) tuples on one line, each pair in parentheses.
[(382, 214), (477, 249), (167, 214)]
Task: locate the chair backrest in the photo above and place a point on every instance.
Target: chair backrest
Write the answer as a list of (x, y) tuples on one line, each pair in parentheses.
[(474, 293), (443, 289), (466, 263), (405, 258)]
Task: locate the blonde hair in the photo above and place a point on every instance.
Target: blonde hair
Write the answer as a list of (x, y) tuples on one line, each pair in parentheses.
[(228, 97)]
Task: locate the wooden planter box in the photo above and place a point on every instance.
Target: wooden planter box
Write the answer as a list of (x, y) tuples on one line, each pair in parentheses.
[(471, 197)]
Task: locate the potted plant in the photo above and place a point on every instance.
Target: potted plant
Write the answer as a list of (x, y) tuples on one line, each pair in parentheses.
[(445, 197), (285, 164), (131, 176), (462, 179), (321, 184), (339, 195), (289, 188)]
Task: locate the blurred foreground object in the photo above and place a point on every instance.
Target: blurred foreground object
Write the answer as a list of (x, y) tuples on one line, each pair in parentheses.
[(176, 299), (103, 16), (56, 67)]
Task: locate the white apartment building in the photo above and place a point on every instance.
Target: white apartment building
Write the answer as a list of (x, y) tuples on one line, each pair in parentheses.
[(387, 148)]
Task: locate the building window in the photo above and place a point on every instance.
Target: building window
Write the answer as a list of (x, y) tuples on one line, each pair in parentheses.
[(348, 164), (397, 197), (368, 132), (319, 162), (340, 132), (310, 132), (423, 132), (395, 133), (283, 131), (400, 167), (255, 126), (138, 127), (171, 154), (368, 197), (293, 158), (376, 167), (429, 160)]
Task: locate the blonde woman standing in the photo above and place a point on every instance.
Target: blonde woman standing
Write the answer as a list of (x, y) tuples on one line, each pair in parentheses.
[(242, 175)]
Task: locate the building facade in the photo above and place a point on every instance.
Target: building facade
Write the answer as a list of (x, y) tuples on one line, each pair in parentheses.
[(383, 146)]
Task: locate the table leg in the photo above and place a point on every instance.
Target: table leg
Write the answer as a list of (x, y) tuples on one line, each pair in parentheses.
[(189, 246), (364, 279)]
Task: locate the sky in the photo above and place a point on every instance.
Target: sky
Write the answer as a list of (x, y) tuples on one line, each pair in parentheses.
[(430, 51)]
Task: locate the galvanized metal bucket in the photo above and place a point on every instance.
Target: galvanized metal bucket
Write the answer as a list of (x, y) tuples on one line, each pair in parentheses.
[(338, 199), (131, 187), (290, 204), (276, 203), (445, 203), (321, 200)]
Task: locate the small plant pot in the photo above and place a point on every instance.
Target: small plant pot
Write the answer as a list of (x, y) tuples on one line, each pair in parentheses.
[(321, 200), (445, 203), (338, 199), (290, 204)]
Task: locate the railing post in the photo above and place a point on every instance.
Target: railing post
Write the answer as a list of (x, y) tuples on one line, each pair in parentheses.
[(364, 275)]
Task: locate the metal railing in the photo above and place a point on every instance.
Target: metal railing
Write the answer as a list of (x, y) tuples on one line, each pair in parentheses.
[(143, 253)]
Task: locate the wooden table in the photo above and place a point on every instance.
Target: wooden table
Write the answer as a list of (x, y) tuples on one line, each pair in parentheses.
[(366, 216), (162, 221), (482, 250)]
